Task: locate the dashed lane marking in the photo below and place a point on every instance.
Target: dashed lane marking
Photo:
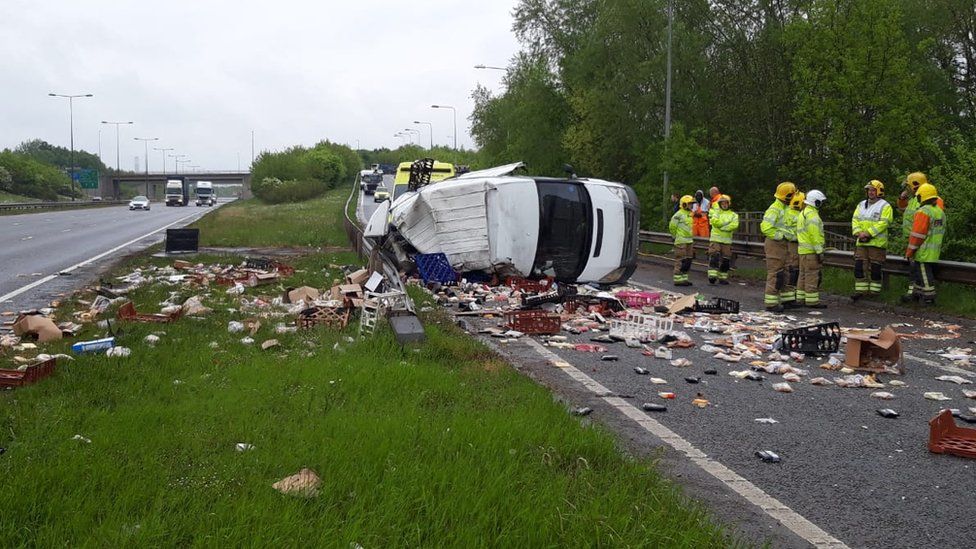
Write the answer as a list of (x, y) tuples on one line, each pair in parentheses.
[(770, 505)]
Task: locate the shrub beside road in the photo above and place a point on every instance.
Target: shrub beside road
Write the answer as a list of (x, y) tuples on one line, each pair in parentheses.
[(443, 446)]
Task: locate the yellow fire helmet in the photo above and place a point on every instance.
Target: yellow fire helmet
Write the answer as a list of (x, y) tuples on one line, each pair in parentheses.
[(926, 191), (916, 180), (785, 190), (725, 198), (797, 202), (876, 185), (686, 200)]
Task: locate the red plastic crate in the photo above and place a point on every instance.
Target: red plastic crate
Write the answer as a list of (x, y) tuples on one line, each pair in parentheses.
[(530, 286), (533, 322), (947, 438), (128, 312), (19, 378), (639, 299)]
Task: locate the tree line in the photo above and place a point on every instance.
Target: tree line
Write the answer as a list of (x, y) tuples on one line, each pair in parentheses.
[(300, 173), (38, 169), (828, 94)]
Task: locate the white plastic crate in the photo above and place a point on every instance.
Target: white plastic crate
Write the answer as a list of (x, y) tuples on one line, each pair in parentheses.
[(640, 326)]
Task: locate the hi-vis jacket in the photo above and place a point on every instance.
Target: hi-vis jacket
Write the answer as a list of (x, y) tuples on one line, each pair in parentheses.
[(873, 219), (724, 223), (680, 227), (928, 229), (810, 232), (774, 223)]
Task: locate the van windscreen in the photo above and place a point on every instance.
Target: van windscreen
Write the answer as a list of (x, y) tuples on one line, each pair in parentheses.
[(565, 230)]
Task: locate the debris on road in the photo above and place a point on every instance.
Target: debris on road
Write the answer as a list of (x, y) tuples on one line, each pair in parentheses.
[(945, 437), (768, 456), (765, 420), (584, 411), (888, 413), (935, 396), (651, 407), (954, 379)]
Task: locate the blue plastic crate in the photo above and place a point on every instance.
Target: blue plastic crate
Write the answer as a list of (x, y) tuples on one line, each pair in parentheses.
[(435, 268)]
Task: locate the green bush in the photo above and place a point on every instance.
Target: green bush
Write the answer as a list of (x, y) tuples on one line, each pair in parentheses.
[(955, 179), (275, 191), (29, 177)]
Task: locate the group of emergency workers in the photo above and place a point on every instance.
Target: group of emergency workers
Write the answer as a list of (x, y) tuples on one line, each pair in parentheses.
[(794, 240)]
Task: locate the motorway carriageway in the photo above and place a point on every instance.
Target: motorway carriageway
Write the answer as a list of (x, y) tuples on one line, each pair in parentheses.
[(38, 246)]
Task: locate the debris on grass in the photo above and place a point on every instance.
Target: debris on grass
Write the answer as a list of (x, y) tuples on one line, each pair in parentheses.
[(304, 483)]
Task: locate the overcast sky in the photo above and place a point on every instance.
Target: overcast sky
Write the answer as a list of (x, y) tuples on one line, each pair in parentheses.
[(200, 75)]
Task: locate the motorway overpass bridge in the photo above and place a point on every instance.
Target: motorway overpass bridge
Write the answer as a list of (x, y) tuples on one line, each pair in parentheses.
[(153, 185)]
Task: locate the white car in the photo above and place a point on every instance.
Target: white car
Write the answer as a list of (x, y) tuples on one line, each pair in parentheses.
[(575, 230), (139, 203)]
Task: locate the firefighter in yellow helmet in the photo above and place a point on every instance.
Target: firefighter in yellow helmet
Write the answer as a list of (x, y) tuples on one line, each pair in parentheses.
[(909, 204), (775, 227), (724, 222), (680, 229), (869, 225), (925, 242), (793, 269)]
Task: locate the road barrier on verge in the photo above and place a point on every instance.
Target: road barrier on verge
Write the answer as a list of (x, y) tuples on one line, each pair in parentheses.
[(945, 271), (67, 205)]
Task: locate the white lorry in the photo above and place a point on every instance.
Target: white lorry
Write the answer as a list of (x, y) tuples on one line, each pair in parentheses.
[(177, 191), (575, 230), (205, 194)]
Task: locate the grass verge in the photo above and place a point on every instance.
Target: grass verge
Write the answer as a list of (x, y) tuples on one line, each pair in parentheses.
[(444, 445), (314, 223), (7, 197)]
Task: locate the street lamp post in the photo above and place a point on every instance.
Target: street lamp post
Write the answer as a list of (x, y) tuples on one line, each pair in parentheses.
[(71, 122), (430, 127), (164, 151), (145, 141), (177, 158), (117, 156), (455, 120), (179, 161), (412, 132), (490, 67)]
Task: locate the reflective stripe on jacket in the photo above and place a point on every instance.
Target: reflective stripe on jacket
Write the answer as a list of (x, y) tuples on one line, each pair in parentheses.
[(873, 219), (774, 221), (724, 223), (680, 227), (810, 232), (925, 238)]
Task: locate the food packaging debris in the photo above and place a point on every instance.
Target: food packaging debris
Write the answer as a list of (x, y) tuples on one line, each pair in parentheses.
[(304, 483), (765, 420), (768, 456), (883, 395), (633, 343), (821, 381), (658, 381), (151, 339), (651, 407), (118, 352), (681, 362), (243, 447), (727, 357), (641, 371), (700, 402), (282, 328), (666, 395), (954, 379), (782, 387), (94, 346), (249, 340), (193, 306), (693, 380), (663, 352), (681, 304), (234, 326), (268, 344), (43, 328), (86, 440), (710, 372), (888, 413), (610, 358), (897, 383), (710, 348), (587, 348), (236, 289), (791, 377), (584, 411), (934, 395), (969, 394), (878, 351)]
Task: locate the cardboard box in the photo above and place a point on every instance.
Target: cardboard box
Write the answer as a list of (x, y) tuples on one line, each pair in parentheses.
[(874, 351), (302, 293), (359, 277), (35, 325)]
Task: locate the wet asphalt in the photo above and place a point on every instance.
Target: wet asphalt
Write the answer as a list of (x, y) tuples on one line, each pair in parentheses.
[(866, 480)]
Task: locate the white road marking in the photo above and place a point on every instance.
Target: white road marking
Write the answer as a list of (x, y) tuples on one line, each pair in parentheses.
[(770, 505), (26, 238), (49, 278)]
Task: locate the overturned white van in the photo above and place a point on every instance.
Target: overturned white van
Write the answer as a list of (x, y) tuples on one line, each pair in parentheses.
[(575, 230)]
